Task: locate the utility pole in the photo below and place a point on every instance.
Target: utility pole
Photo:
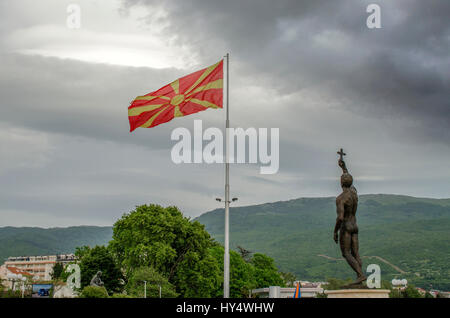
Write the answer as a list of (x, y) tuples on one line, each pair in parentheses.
[(145, 289)]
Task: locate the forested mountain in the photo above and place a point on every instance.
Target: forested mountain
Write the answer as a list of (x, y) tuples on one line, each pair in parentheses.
[(24, 241)]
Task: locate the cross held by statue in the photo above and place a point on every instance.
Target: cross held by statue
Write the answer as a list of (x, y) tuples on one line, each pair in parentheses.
[(341, 153)]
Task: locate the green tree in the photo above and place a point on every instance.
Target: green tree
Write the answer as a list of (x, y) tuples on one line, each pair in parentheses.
[(97, 259), (81, 251), (242, 278), (321, 295), (93, 292), (428, 295), (199, 277), (135, 285), (120, 295), (411, 292), (288, 279), (245, 254), (175, 246), (58, 270), (12, 294), (266, 273), (65, 273), (2, 287), (395, 293), (386, 284)]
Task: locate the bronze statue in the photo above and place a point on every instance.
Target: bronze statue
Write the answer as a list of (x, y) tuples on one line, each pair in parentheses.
[(346, 205)]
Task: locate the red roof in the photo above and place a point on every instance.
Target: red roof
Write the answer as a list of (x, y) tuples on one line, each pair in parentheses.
[(17, 271)]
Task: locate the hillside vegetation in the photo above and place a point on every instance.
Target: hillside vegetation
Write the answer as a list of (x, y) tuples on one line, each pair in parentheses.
[(24, 241)]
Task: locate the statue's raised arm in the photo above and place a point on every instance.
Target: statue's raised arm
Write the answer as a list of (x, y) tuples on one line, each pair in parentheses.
[(341, 162)]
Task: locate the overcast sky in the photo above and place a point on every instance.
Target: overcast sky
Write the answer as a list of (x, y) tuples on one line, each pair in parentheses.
[(311, 68)]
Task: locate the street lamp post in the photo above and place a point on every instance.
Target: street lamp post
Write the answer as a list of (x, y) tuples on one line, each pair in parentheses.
[(23, 286), (145, 289), (17, 278)]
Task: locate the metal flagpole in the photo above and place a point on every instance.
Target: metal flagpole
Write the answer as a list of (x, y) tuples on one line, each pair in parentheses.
[(226, 265)]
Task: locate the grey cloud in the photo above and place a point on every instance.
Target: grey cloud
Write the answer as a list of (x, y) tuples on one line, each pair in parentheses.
[(400, 70)]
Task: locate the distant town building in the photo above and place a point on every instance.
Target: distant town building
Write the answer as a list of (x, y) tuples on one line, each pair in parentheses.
[(443, 294), (40, 267), (307, 284), (421, 291), (286, 292)]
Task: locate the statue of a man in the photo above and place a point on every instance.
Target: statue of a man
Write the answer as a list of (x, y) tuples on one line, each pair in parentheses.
[(346, 205), (96, 280)]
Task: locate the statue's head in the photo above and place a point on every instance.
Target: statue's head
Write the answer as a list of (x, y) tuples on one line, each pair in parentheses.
[(99, 273), (346, 180)]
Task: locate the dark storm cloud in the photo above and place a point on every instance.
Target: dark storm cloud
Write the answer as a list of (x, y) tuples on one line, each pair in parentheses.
[(400, 70)]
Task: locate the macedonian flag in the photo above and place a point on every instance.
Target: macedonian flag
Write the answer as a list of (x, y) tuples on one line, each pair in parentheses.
[(187, 95)]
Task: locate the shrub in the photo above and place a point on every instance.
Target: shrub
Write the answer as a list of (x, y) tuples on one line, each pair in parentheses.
[(94, 292), (116, 295), (135, 286), (12, 294)]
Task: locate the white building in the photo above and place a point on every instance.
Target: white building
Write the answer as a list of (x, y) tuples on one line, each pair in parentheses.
[(41, 267), (286, 292)]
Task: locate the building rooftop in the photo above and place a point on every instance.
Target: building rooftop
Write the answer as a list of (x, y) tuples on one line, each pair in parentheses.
[(59, 257), (17, 271)]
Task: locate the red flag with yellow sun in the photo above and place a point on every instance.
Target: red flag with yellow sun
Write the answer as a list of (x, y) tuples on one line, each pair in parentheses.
[(187, 95)]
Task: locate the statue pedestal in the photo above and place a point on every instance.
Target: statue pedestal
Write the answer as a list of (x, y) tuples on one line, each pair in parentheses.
[(358, 293)]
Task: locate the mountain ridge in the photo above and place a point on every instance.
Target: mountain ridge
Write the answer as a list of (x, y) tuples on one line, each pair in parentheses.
[(24, 241)]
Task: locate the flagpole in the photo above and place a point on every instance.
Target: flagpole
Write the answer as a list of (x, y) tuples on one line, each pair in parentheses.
[(226, 267)]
